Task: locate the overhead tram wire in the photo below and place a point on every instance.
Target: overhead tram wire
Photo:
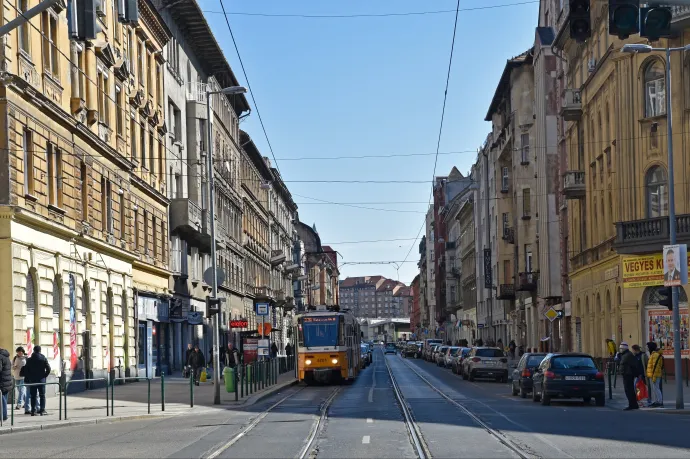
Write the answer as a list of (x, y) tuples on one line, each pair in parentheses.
[(440, 129)]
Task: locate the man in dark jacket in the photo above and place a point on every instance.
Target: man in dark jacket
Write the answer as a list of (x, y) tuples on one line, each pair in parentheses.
[(5, 379), (36, 371), (630, 369), (187, 354), (197, 362)]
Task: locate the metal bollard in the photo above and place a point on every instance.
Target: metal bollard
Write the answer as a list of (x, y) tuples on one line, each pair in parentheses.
[(66, 401), (148, 380), (610, 388), (12, 415), (191, 390), (162, 391), (107, 401), (112, 396), (234, 376), (59, 399)]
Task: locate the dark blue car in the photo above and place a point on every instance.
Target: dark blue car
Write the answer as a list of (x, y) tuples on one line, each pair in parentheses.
[(568, 375), (390, 348)]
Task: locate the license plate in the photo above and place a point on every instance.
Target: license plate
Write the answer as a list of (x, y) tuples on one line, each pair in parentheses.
[(490, 362), (575, 378), (321, 360)]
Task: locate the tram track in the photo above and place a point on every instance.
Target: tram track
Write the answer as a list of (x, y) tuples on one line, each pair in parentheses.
[(498, 435), (307, 447)]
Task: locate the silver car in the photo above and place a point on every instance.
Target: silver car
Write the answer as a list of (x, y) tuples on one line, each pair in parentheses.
[(485, 362)]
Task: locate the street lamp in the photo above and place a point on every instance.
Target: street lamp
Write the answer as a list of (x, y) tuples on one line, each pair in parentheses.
[(232, 90), (641, 48)]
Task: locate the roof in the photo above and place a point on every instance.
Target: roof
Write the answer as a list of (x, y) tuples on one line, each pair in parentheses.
[(350, 282), (203, 44), (255, 156), (282, 189), (332, 254), (524, 58)]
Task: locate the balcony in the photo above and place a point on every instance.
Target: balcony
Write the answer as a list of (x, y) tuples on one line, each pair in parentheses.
[(528, 282), (196, 100), (450, 245), (571, 110), (574, 184), (509, 235), (506, 292), (186, 220), (650, 234)]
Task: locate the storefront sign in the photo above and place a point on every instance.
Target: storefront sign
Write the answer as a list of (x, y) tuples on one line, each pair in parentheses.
[(250, 347), (195, 318), (660, 330), (488, 281), (150, 308), (239, 323), (72, 325), (643, 271)]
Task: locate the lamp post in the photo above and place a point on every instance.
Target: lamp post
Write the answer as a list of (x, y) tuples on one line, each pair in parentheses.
[(641, 48), (232, 90)]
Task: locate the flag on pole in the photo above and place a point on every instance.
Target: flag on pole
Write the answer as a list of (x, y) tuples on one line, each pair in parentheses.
[(56, 353), (29, 341)]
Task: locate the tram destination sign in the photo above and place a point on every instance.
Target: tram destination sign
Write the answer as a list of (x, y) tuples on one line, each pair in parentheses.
[(320, 319)]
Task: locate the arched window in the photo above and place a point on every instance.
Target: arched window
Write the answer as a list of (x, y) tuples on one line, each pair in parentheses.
[(657, 192), (30, 294), (654, 90), (56, 298)]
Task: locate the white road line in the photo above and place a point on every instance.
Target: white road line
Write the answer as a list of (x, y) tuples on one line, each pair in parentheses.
[(366, 439), (370, 421)]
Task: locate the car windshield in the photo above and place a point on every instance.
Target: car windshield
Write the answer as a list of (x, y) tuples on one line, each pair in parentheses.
[(534, 360), (466, 351), (454, 350), (320, 331), (443, 349), (490, 353), (390, 346), (573, 362)]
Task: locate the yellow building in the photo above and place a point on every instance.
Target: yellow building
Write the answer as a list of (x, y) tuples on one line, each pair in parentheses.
[(82, 187), (616, 182)]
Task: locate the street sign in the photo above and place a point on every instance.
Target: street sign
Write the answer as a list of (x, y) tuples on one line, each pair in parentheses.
[(264, 328), (551, 314), (263, 351), (263, 343), (220, 276), (261, 309)]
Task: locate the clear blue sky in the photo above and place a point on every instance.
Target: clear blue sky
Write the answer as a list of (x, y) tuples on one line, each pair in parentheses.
[(331, 87)]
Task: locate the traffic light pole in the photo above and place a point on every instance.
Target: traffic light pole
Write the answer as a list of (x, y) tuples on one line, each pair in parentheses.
[(678, 371), (214, 284)]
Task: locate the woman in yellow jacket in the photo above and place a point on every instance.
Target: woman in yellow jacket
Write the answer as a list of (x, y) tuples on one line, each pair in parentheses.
[(654, 370)]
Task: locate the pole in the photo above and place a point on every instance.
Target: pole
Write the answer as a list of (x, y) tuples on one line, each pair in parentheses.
[(212, 209), (24, 17), (672, 233)]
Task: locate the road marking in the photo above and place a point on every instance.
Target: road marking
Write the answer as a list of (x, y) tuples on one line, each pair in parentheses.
[(373, 386), (366, 439), (370, 421)]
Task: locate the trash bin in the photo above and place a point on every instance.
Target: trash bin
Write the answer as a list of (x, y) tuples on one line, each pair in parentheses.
[(229, 377)]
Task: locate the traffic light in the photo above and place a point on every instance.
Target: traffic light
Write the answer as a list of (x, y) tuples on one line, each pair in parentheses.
[(624, 17), (580, 20), (212, 306), (655, 22), (666, 298)]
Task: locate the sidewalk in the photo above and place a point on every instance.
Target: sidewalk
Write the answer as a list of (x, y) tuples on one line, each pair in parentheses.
[(131, 402), (619, 400)]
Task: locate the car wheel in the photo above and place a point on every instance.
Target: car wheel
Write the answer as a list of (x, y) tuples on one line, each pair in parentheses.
[(588, 400), (523, 393), (545, 399), (600, 400), (514, 390), (535, 397), (471, 376)]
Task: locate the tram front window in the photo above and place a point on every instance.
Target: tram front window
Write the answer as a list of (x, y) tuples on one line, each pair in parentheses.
[(320, 331)]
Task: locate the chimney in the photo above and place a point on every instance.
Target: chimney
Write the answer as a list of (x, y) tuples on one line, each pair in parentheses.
[(267, 161)]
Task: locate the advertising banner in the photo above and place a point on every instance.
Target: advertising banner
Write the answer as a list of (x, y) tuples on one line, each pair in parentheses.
[(488, 281), (644, 271), (675, 265), (73, 357), (660, 330), (250, 347)]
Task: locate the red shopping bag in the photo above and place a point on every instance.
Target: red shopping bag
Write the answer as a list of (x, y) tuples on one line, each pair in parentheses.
[(641, 390)]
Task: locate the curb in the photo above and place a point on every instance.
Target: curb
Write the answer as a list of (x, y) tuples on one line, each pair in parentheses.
[(58, 425), (254, 399)]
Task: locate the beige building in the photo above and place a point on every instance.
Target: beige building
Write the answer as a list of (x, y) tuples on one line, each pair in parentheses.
[(83, 187), (617, 179)]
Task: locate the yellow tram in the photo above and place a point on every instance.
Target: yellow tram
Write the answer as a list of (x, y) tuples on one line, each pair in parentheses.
[(328, 345)]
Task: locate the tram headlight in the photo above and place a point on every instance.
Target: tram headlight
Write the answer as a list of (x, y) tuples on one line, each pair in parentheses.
[(308, 362), (334, 361)]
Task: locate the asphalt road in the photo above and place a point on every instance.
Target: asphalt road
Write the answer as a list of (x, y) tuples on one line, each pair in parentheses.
[(365, 420)]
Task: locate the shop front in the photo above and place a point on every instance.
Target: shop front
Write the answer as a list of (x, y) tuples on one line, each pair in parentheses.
[(154, 335)]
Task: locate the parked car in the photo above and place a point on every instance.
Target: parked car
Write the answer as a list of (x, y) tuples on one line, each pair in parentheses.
[(440, 354), (568, 375), (429, 344), (450, 354), (522, 374), (390, 348), (410, 349), (456, 364), (364, 356), (485, 362)]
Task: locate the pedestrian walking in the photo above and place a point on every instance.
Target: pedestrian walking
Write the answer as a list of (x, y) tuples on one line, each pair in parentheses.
[(18, 363), (187, 368), (288, 350), (5, 379), (630, 369), (232, 356), (654, 370), (640, 380), (197, 363), (511, 348), (274, 350), (36, 371)]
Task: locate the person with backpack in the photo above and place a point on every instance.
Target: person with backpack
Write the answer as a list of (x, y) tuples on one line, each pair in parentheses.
[(655, 368), (197, 362)]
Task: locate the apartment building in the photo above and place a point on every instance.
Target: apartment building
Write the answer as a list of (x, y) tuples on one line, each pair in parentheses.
[(84, 225), (359, 295), (316, 280)]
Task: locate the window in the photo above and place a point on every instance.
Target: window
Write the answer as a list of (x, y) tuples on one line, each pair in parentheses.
[(154, 226), (30, 294), (107, 205), (524, 141), (505, 221), (654, 90), (132, 136), (178, 186), (528, 258), (119, 116), (28, 150), (149, 74), (526, 202), (161, 159), (507, 273), (657, 192), (103, 97), (115, 12), (146, 231), (56, 298), (23, 32), (54, 175), (84, 192), (50, 52), (140, 62), (81, 88), (136, 229), (123, 206), (504, 179), (176, 254), (194, 268), (159, 91), (130, 49), (142, 144), (152, 156), (173, 56), (163, 238)]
